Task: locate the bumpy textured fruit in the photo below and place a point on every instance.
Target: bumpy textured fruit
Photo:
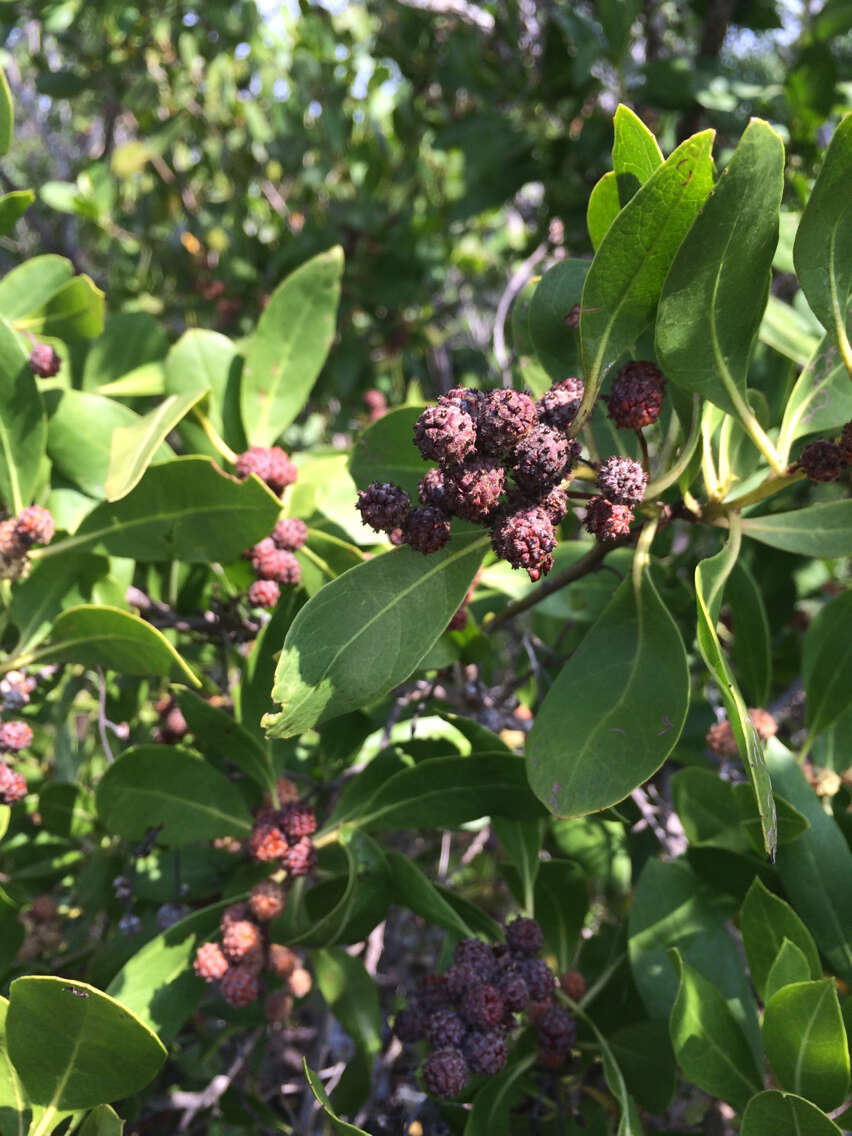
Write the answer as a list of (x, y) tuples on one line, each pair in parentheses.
[(477, 955), (541, 459), (426, 530), (538, 977), (297, 821), (636, 396), (513, 989), (300, 858), (524, 935), (34, 525), (445, 433), (233, 913), (482, 1006), (14, 736), (505, 416), (432, 993), (556, 1030), (11, 545), (210, 963), (606, 520), (444, 1027), (383, 506), (287, 790), (240, 939), (573, 984), (410, 1025), (281, 960), (431, 490), (267, 842), (266, 900), (44, 361), (822, 461), (290, 533), (256, 553), (473, 490), (525, 539), (558, 407), (622, 481), (485, 1051), (845, 442), (465, 398), (15, 689), (445, 1073), (272, 465), (240, 986), (461, 976), (279, 565), (263, 593), (12, 785), (555, 504)]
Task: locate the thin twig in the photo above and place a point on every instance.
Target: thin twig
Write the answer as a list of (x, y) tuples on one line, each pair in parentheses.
[(517, 282), (193, 1103), (102, 718)]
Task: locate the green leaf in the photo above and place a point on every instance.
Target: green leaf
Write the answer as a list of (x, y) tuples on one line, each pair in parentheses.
[(202, 361), (115, 640), (75, 1047), (826, 656), (351, 995), (158, 984), (820, 401), (23, 429), (148, 379), (806, 1042), (340, 1126), (823, 249), (50, 586), (30, 285), (414, 891), (710, 578), (604, 206), (709, 1044), (560, 904), (324, 911), (616, 18), (366, 631), (626, 277), (129, 341), (103, 1121), (621, 698), (521, 843), (817, 530), (715, 293), (14, 1106), (385, 451), (772, 1112), (628, 1124), (76, 311), (217, 733), (286, 352), (752, 649), (132, 448), (785, 331), (790, 966), (635, 153), (12, 207), (556, 344), (7, 115), (170, 788), (186, 509), (254, 698), (817, 869), (491, 1114), (644, 1053)]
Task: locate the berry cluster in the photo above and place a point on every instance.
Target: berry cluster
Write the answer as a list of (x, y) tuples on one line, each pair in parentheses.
[(245, 952), (826, 461), (468, 1014), (284, 834), (33, 525), (720, 737), (15, 735), (15, 689)]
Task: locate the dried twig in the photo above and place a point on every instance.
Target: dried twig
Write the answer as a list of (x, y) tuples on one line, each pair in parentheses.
[(193, 1103), (517, 282)]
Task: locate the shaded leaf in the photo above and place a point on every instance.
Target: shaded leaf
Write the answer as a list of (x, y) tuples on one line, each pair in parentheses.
[(7, 114), (560, 904), (491, 1114), (217, 733), (790, 966), (415, 892), (14, 1106), (752, 649), (826, 657), (206, 360), (772, 1112), (821, 399), (12, 207), (556, 344), (316, 1087), (521, 843), (129, 340), (644, 1054), (23, 429), (817, 530), (102, 1121), (385, 451)]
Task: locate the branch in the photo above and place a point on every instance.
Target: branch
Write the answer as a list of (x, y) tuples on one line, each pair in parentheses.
[(470, 13), (517, 282), (193, 1103)]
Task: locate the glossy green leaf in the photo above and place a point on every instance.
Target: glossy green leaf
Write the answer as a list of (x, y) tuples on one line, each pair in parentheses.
[(644, 1053), (30, 285), (7, 114), (710, 578), (556, 343), (752, 651), (772, 1113), (286, 352), (366, 631), (102, 1121), (785, 331), (491, 1114), (129, 341), (414, 891), (805, 1041), (626, 277), (186, 509), (826, 658), (132, 448), (385, 451), (635, 153), (341, 1127), (621, 698), (817, 530), (823, 249), (14, 1106), (203, 360), (23, 429), (76, 311), (817, 869), (790, 966), (12, 207), (50, 586), (603, 208), (715, 293), (170, 788), (216, 733), (821, 400), (75, 1047), (148, 379), (108, 637), (158, 983), (709, 1044)]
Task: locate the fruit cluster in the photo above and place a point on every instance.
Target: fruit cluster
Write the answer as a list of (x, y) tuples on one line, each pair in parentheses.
[(33, 525), (502, 458), (826, 461), (720, 737), (273, 558), (245, 952), (468, 1014), (284, 833), (15, 735)]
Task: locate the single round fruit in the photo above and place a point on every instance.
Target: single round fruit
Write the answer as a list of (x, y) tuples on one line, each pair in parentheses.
[(410, 1025), (241, 938), (210, 963), (822, 461), (240, 986), (607, 521), (383, 506), (445, 1073), (525, 539), (266, 900), (622, 481), (476, 955), (300, 858), (472, 490), (426, 530), (573, 984), (524, 936), (432, 490), (558, 406), (485, 1051), (267, 843), (445, 433), (290, 533), (34, 525), (14, 736), (482, 1006), (556, 1030), (296, 821), (636, 395), (12, 785), (505, 416), (44, 361), (281, 960), (444, 1027), (264, 593)]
